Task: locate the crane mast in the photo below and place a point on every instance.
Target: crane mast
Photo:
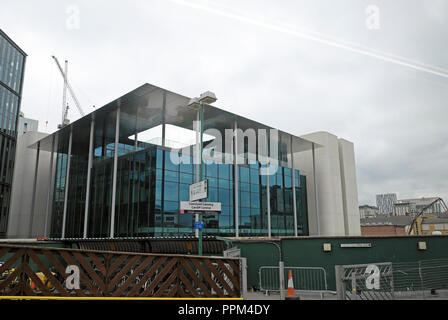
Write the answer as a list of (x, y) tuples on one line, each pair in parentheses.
[(65, 121), (68, 87)]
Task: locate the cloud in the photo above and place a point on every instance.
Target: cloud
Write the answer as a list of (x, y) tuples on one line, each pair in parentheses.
[(395, 114)]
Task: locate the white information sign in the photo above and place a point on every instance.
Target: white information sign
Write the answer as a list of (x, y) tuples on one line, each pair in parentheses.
[(198, 207), (198, 190)]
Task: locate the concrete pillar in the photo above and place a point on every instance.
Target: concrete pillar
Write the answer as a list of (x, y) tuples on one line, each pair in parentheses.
[(50, 187), (33, 199)]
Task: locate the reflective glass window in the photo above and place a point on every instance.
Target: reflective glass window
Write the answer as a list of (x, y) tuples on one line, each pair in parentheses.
[(244, 174), (171, 191), (223, 171), (169, 165)]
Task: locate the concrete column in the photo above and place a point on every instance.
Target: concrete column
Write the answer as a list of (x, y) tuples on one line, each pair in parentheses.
[(89, 170), (349, 188), (33, 199), (67, 178), (114, 174), (50, 187)]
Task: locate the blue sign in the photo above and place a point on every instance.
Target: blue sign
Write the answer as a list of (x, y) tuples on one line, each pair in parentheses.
[(199, 225)]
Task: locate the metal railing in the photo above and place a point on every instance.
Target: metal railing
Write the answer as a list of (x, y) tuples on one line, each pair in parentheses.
[(421, 279), (354, 282), (305, 279), (424, 279)]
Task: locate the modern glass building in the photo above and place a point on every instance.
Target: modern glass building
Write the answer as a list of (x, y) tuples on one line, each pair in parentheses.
[(122, 171), (12, 66)]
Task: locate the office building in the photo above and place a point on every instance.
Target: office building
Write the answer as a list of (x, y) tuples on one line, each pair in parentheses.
[(429, 205), (12, 66), (385, 203), (132, 162), (26, 125), (25, 199), (366, 211)]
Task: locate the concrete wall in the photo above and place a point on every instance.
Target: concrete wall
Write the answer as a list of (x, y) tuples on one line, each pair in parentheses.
[(31, 125), (303, 162), (22, 189), (337, 195), (349, 188)]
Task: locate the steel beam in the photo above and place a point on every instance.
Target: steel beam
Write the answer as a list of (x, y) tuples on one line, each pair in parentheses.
[(268, 188), (315, 190), (114, 175), (293, 175), (235, 168), (89, 170), (67, 178)]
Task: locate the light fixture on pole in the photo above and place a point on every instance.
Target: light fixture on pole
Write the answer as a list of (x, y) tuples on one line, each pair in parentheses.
[(207, 97)]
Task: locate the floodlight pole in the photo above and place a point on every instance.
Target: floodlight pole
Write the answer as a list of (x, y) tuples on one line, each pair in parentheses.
[(206, 97)]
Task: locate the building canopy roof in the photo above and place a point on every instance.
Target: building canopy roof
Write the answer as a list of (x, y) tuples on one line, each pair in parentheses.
[(147, 107)]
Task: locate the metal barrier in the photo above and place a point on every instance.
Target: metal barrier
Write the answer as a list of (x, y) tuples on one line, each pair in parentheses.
[(425, 279), (365, 281), (31, 271), (306, 279), (421, 279)]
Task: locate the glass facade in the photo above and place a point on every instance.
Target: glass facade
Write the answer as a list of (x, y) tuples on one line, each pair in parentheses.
[(150, 187), (12, 61), (142, 197)]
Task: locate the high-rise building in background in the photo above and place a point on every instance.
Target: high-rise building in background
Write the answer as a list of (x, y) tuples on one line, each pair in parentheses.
[(385, 203), (12, 66), (366, 211), (429, 205)]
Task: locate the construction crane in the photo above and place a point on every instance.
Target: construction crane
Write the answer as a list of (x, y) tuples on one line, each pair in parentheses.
[(67, 85), (414, 220)]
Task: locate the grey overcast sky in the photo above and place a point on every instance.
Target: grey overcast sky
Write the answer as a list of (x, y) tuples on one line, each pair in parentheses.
[(373, 72)]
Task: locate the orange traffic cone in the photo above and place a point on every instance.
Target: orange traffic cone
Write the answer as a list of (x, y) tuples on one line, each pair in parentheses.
[(290, 294)]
